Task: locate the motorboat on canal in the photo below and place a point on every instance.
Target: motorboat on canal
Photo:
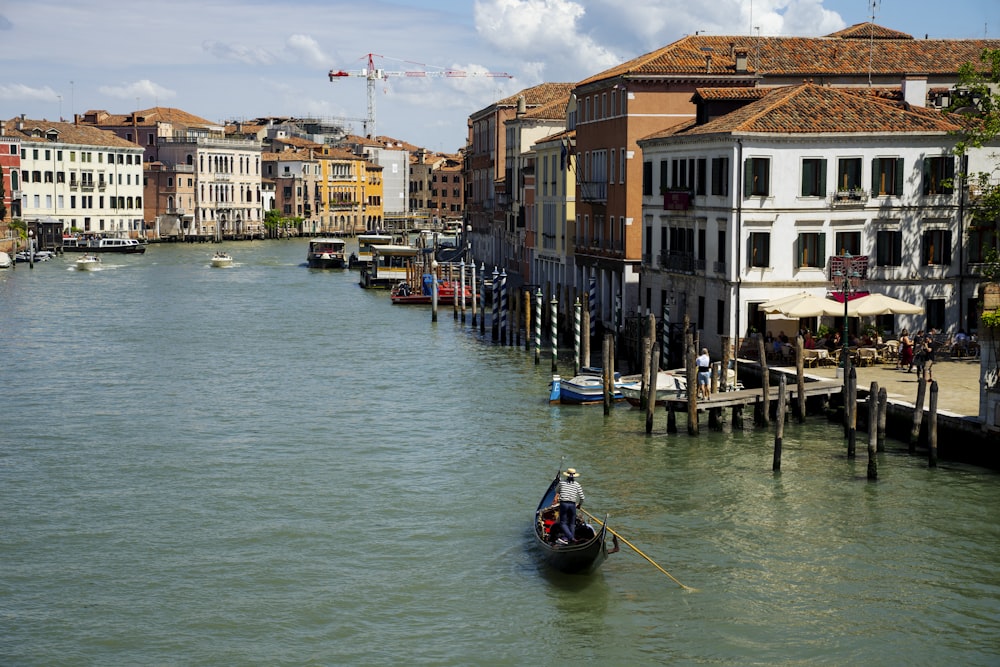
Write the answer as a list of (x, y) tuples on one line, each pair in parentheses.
[(39, 256), (326, 252), (587, 388), (88, 262), (5, 261), (222, 259), (91, 245), (581, 556), (403, 293)]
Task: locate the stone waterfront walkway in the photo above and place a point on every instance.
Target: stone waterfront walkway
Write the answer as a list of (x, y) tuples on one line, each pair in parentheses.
[(958, 383)]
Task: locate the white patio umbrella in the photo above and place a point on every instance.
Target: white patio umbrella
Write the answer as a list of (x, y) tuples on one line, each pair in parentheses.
[(768, 306), (805, 305), (880, 304)]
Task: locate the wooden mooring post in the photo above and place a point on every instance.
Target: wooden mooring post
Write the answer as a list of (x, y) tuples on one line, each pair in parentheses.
[(652, 360), (764, 418), (918, 413), (779, 426), (800, 378), (724, 379), (692, 379), (883, 405), (932, 426), (608, 372), (851, 406), (872, 430)]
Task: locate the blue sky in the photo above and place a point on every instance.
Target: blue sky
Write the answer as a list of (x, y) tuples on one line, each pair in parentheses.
[(229, 59)]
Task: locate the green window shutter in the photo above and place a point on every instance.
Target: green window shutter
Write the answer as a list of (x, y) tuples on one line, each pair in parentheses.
[(798, 251), (821, 258), (946, 250), (899, 177), (897, 248), (822, 178), (876, 163), (747, 177), (807, 172)]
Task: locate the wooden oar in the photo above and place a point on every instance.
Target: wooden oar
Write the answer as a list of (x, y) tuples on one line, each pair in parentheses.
[(635, 549)]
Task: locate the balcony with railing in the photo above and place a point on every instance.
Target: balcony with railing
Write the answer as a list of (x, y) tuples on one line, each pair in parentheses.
[(679, 262), (852, 198), (593, 191)]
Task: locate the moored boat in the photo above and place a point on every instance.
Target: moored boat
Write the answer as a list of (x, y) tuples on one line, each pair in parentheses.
[(583, 389), (326, 252), (222, 259), (367, 245), (668, 385), (390, 266), (102, 244), (403, 293), (581, 556), (88, 262), (5, 261)]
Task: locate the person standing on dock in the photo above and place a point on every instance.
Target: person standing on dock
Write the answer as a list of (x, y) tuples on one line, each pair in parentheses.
[(570, 495), (704, 364)]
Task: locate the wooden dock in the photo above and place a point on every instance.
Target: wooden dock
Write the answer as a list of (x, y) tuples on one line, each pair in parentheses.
[(744, 397)]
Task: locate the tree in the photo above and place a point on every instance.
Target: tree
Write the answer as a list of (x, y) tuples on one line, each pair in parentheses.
[(976, 96)]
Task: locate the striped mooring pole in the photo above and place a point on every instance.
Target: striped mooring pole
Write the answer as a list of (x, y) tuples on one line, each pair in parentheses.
[(576, 336), (538, 326), (555, 334), (503, 307), (495, 323)]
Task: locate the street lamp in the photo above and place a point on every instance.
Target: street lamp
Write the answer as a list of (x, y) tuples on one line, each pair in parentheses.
[(31, 249)]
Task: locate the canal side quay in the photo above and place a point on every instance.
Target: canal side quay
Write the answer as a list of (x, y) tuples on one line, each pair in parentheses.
[(960, 435)]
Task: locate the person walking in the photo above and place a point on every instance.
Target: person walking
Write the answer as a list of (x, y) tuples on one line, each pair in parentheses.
[(704, 364), (570, 495), (905, 351)]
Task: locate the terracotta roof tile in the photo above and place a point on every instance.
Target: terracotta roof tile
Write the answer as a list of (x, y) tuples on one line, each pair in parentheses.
[(812, 109), (869, 30), (69, 133), (803, 56), (543, 93)]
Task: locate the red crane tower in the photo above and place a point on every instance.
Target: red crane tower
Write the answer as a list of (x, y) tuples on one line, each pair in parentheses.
[(373, 74)]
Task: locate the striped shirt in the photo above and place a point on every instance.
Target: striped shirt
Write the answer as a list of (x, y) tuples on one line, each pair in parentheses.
[(570, 492)]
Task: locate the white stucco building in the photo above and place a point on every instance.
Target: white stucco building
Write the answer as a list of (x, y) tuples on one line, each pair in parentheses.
[(753, 205), (88, 179)]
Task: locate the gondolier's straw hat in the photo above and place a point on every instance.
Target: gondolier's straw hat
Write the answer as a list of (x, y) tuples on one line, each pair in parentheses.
[(571, 473)]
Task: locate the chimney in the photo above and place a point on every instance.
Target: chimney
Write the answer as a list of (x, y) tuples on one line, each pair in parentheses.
[(522, 107), (741, 62), (915, 90)]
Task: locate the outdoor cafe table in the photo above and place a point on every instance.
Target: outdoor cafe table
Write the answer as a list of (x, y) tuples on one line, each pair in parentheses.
[(814, 357)]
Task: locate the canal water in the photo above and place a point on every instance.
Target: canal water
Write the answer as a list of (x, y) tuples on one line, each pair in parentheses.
[(267, 465)]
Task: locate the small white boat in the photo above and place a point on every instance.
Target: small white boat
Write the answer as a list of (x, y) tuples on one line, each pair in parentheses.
[(669, 384), (5, 261), (88, 263), (222, 259), (583, 389)]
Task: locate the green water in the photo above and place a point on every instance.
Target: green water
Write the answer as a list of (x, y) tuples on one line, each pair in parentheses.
[(267, 465)]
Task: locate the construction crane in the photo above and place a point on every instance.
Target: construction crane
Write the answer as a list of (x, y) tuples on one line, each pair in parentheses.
[(373, 74)]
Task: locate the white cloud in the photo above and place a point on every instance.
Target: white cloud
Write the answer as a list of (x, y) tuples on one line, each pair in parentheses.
[(547, 31), (238, 53), (18, 92), (306, 49), (143, 89)]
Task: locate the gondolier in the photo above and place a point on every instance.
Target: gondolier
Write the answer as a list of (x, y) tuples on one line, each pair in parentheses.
[(570, 495)]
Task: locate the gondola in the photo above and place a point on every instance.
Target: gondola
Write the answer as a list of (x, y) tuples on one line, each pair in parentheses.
[(581, 556)]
